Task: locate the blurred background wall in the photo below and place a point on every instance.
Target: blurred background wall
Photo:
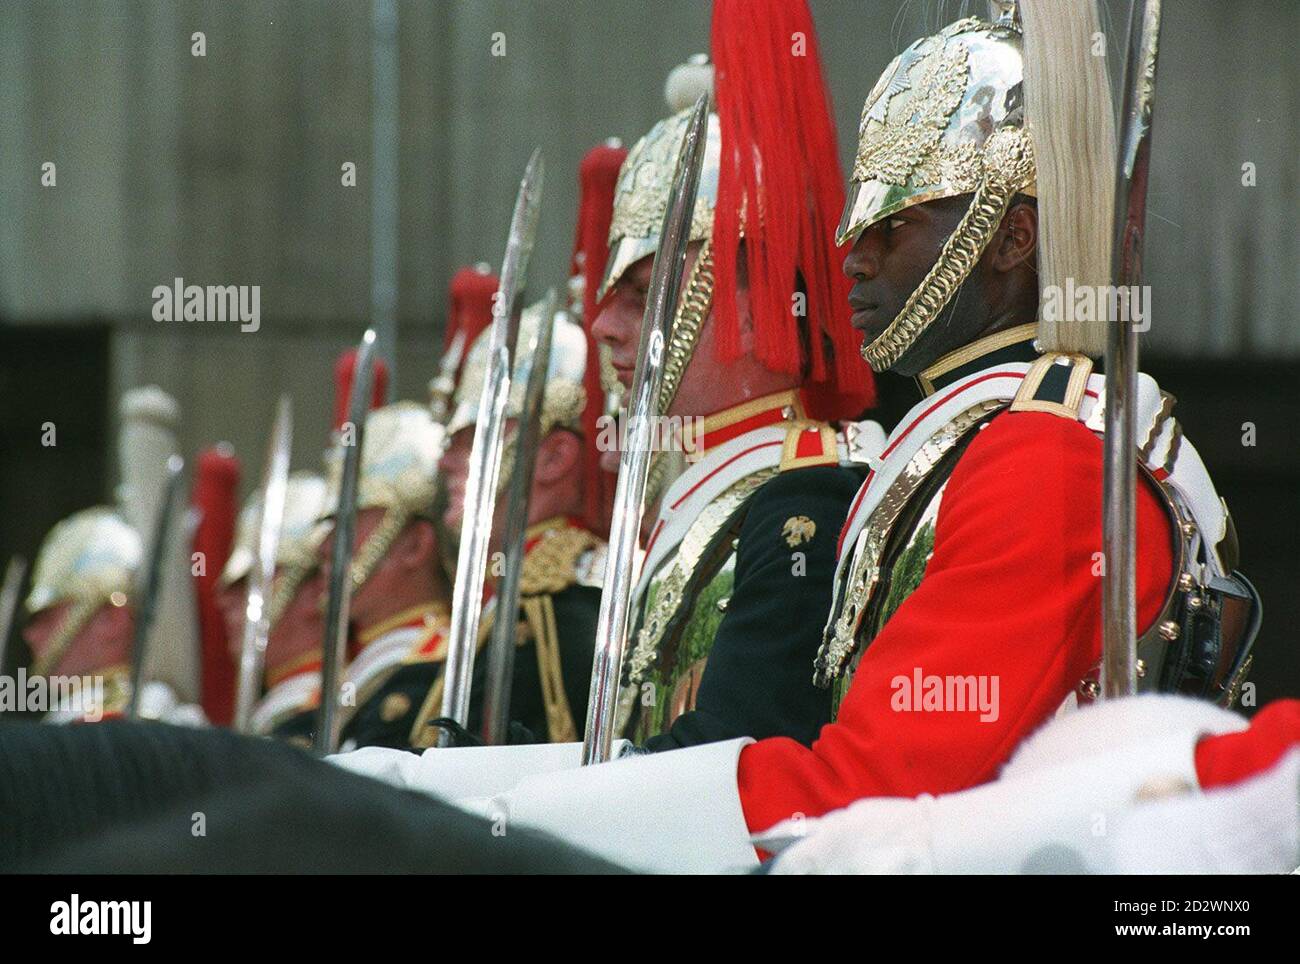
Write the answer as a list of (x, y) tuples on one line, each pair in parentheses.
[(227, 169)]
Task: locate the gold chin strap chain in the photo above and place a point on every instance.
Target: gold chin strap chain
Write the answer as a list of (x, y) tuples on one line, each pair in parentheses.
[(691, 312), (287, 583), (1008, 168), (367, 557), (78, 615), (377, 546)]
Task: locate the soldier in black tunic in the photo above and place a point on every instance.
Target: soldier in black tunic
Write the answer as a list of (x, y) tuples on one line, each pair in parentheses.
[(563, 549)]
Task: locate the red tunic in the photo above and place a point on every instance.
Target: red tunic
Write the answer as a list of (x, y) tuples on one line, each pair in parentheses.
[(1011, 593)]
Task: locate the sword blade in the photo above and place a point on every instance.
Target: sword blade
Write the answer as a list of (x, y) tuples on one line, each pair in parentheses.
[(334, 647), (443, 385), (634, 461), (1119, 481), (14, 572), (501, 646), (261, 576), (485, 455), (153, 577)]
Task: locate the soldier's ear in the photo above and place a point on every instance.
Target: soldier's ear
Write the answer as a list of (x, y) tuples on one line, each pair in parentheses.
[(1016, 240), (559, 456), (417, 546)]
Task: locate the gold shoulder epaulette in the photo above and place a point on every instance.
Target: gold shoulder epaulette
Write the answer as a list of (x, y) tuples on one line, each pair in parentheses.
[(1055, 383), (808, 443), (552, 565)]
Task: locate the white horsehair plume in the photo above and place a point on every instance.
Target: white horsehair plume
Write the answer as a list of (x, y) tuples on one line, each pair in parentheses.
[(1070, 114)]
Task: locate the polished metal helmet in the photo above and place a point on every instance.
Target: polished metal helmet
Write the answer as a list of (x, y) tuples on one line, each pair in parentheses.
[(564, 398), (306, 502), (88, 559), (398, 473), (946, 118), (641, 195), (641, 199), (399, 458), (89, 555), (927, 123), (993, 110)]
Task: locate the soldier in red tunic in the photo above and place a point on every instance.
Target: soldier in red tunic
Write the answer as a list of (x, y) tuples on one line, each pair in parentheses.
[(968, 594)]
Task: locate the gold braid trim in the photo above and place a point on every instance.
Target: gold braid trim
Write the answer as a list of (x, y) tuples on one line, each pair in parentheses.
[(422, 734), (287, 583), (78, 615), (675, 590), (841, 638), (1009, 167), (117, 689), (551, 566), (539, 612)]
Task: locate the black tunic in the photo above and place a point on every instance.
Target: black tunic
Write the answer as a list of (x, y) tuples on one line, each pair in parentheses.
[(758, 678)]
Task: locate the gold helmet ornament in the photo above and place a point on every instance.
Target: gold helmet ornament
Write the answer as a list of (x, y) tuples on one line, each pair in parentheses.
[(398, 472), (641, 198), (306, 503), (645, 178), (993, 109), (770, 179), (87, 560)]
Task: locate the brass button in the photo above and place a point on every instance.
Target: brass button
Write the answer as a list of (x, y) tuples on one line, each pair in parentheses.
[(1170, 630), (394, 707)]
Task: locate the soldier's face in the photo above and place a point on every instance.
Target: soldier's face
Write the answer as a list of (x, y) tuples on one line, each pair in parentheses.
[(618, 324), (104, 640), (618, 320), (453, 470), (232, 601), (301, 626), (890, 260), (42, 626), (298, 629), (368, 596)]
